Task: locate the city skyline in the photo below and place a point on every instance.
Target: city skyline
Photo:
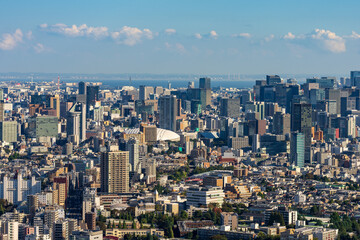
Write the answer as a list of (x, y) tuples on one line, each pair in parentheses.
[(162, 37)]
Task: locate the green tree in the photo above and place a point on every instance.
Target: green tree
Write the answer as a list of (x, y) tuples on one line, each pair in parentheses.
[(276, 217), (218, 237)]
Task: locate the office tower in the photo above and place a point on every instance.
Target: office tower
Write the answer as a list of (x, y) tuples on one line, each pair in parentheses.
[(355, 78), (82, 88), (60, 191), (230, 107), (204, 92), (9, 131), (92, 95), (61, 230), (334, 95), (191, 85), (281, 123), (1, 110), (297, 149), (76, 123), (145, 91), (32, 205), (167, 112), (90, 220), (301, 121), (46, 126), (55, 104), (205, 83), (324, 82), (132, 146), (150, 133), (115, 172), (272, 79)]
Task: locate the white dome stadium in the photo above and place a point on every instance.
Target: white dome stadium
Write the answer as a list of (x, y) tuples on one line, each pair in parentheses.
[(167, 135)]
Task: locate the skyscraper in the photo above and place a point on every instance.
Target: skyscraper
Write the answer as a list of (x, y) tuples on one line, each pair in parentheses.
[(301, 121), (297, 149), (281, 123), (355, 78), (205, 83), (167, 112), (230, 107), (76, 123), (115, 172), (272, 79), (82, 88), (132, 146)]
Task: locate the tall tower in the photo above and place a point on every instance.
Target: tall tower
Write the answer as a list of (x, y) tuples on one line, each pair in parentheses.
[(76, 123), (297, 149), (132, 146), (82, 88), (115, 172), (301, 121), (167, 112)]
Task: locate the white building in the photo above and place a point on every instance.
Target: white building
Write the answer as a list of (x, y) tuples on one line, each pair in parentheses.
[(201, 196), (300, 198), (15, 187), (11, 228)]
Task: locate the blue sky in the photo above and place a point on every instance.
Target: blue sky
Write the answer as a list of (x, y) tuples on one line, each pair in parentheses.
[(200, 37)]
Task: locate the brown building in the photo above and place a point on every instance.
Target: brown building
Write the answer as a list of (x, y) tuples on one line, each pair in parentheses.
[(90, 220), (229, 219)]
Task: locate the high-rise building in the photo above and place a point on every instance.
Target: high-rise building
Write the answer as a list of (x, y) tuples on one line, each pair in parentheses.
[(145, 91), (115, 172), (82, 88), (205, 83), (90, 220), (167, 112), (11, 229), (43, 126), (272, 79), (92, 95), (355, 78), (9, 131), (61, 230), (32, 205), (55, 104), (281, 123), (132, 146), (297, 149), (301, 121), (76, 123), (230, 107)]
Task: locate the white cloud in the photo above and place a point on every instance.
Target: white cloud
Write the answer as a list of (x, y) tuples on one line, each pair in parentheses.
[(39, 48), (289, 35), (330, 40), (213, 34), (131, 35), (170, 31), (354, 35), (29, 35), (10, 41), (177, 47), (198, 36), (269, 38), (76, 31), (242, 35)]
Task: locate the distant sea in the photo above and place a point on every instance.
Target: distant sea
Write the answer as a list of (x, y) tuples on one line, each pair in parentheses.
[(114, 84), (175, 83)]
